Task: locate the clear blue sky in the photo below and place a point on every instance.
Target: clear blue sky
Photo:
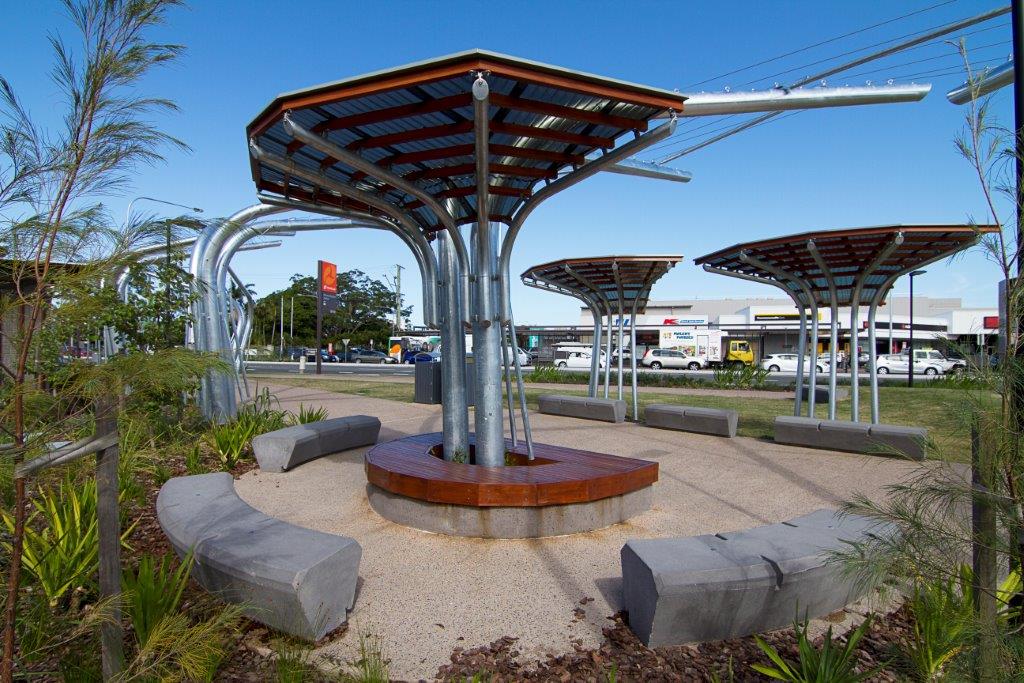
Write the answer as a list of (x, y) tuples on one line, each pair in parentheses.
[(820, 169)]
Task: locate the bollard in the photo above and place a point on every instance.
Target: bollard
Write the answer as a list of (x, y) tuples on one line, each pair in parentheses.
[(302, 364)]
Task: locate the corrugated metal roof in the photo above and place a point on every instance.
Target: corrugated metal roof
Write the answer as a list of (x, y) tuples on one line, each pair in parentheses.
[(417, 122), (887, 250), (606, 276)]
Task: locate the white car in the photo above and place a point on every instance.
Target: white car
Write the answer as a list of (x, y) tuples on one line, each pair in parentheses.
[(787, 362), (577, 359), (897, 363), (657, 359)]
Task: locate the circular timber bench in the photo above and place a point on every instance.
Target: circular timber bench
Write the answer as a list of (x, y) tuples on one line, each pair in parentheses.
[(561, 491)]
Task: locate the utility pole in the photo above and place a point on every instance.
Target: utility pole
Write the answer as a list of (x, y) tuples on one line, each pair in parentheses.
[(282, 327), (291, 322), (398, 297)]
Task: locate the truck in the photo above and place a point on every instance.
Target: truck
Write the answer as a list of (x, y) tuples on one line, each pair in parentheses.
[(710, 348)]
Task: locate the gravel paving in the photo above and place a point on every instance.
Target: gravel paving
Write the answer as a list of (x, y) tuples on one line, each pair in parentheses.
[(426, 594)]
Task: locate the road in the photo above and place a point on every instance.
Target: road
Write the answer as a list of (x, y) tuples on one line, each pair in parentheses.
[(396, 370)]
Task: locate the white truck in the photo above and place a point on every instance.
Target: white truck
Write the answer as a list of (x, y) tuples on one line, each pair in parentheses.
[(710, 348)]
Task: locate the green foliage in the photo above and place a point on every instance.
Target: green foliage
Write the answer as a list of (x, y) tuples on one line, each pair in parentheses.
[(307, 415), (292, 661), (549, 374), (942, 617), (179, 648), (61, 549), (194, 460), (231, 441), (154, 591), (459, 456), (742, 377), (365, 311), (371, 665), (261, 416), (832, 663)]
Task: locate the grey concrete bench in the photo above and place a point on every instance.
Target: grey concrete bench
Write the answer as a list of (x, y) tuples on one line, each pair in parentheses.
[(821, 393), (290, 578), (691, 419), (286, 448), (685, 590), (858, 437), (606, 409)]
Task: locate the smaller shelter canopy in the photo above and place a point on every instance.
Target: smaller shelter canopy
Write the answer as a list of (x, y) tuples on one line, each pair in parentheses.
[(870, 258), (614, 279)]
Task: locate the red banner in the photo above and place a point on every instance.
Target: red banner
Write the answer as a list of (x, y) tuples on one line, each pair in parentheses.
[(328, 278)]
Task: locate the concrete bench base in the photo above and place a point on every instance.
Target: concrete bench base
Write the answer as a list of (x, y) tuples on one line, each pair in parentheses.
[(284, 449), (605, 409), (857, 437), (290, 578), (685, 590), (690, 419), (821, 394)]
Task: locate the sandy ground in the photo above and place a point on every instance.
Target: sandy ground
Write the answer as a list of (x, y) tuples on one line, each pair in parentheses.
[(426, 594)]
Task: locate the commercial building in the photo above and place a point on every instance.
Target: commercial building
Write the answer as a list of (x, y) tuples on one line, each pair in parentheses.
[(772, 324)]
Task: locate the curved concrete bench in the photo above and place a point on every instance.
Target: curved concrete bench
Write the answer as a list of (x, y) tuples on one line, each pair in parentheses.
[(605, 409), (290, 578), (857, 437), (286, 448), (691, 419), (684, 590)]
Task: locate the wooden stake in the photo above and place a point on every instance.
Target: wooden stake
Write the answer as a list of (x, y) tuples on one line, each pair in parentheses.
[(108, 514)]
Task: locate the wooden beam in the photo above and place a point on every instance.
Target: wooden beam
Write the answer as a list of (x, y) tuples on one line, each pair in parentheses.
[(551, 134), (470, 169), (413, 135)]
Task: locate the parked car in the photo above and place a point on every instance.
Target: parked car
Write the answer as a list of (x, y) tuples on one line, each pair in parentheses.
[(657, 359), (427, 357), (359, 355), (577, 359), (899, 363), (787, 362), (325, 357), (948, 364)]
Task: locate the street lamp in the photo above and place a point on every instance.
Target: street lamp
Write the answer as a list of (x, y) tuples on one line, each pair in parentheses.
[(128, 212), (910, 343)]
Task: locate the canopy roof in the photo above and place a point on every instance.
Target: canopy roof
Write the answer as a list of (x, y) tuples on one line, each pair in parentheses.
[(871, 256), (417, 121), (605, 276)]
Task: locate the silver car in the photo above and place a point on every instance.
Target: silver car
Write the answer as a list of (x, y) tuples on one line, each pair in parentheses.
[(670, 358)]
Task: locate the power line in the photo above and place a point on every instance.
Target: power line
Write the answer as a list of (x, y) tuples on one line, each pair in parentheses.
[(823, 42)]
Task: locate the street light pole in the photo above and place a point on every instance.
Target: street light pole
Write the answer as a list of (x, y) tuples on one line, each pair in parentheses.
[(910, 344)]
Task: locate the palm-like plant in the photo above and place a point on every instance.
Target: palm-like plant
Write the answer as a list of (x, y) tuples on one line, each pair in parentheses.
[(834, 662), (154, 591)]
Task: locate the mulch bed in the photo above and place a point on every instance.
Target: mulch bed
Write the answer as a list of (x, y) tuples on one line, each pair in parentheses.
[(631, 660)]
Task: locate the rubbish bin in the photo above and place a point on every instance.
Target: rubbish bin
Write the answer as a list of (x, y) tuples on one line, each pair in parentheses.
[(428, 383)]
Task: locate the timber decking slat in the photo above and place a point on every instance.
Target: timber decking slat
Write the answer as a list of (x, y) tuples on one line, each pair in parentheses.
[(406, 467)]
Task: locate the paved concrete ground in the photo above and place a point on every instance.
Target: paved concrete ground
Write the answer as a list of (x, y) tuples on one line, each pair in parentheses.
[(426, 594)]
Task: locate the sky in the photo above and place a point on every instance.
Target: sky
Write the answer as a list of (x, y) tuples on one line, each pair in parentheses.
[(822, 169)]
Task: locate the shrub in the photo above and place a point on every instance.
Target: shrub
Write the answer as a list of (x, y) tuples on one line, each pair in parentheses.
[(231, 441), (261, 416), (307, 415), (833, 663), (194, 460), (153, 591), (744, 377), (61, 549)]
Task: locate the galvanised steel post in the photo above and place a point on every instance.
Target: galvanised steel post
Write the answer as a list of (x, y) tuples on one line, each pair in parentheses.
[(873, 358), (801, 349), (608, 352), (454, 414), (833, 323), (812, 371), (490, 440), (595, 350), (632, 359), (618, 287)]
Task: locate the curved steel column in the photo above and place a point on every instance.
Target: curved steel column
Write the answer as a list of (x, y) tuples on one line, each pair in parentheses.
[(855, 321), (618, 287), (216, 397), (833, 322)]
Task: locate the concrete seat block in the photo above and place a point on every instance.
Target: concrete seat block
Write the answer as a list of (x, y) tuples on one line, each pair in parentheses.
[(692, 419), (680, 590), (290, 578), (858, 437), (286, 448), (910, 441), (605, 409)]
